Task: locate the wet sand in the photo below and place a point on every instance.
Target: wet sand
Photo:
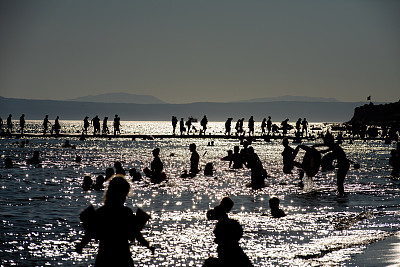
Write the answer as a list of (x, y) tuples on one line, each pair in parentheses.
[(382, 253)]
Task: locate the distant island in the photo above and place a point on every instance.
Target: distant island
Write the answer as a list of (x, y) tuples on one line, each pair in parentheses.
[(119, 98), (278, 110)]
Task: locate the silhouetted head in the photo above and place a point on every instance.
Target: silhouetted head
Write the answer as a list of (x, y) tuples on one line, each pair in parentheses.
[(274, 203), (228, 231), (285, 142), (192, 147), (226, 204), (99, 180), (117, 165), (78, 159), (250, 150), (156, 152), (246, 143), (269, 117), (236, 149), (87, 182), (328, 139), (8, 163), (117, 191)]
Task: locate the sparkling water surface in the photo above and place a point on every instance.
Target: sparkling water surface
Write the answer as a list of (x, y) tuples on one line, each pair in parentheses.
[(40, 206)]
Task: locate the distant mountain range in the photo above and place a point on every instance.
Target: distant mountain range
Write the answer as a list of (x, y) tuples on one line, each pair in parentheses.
[(148, 99), (119, 98), (278, 110)]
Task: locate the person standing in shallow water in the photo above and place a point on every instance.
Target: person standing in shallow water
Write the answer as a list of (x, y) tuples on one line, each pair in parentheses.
[(22, 123), (174, 123), (342, 161), (194, 159), (9, 124), (117, 124), (45, 124), (114, 226)]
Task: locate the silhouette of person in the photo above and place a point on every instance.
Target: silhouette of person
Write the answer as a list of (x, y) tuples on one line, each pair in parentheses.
[(251, 126), (263, 126), (208, 169), (229, 157), (182, 126), (22, 123), (298, 126), (188, 124), (57, 126), (1, 124), (220, 211), (118, 168), (237, 158), (258, 173), (45, 124), (304, 123), (156, 167), (227, 235), (285, 126), (96, 125), (194, 159), (342, 161), (228, 124), (269, 125), (204, 123), (135, 175), (105, 130), (85, 125), (114, 226), (35, 159), (98, 185), (174, 123), (9, 124), (276, 212), (287, 155), (117, 124), (87, 183)]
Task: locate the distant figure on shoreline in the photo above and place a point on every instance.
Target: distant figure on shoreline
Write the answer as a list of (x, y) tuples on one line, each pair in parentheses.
[(251, 126), (182, 128), (174, 123), (194, 160), (285, 126), (228, 124), (304, 123), (117, 124), (45, 124), (1, 124), (269, 125), (56, 126), (96, 125), (203, 124), (105, 130), (22, 123), (189, 124), (85, 125), (263, 126), (9, 124), (114, 225), (227, 233)]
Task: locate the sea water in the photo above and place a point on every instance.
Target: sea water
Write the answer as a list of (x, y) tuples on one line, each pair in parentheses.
[(40, 205)]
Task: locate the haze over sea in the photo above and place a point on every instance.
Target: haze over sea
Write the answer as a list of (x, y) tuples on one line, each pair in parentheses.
[(40, 206)]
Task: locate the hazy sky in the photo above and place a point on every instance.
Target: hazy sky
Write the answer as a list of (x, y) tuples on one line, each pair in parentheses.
[(206, 50)]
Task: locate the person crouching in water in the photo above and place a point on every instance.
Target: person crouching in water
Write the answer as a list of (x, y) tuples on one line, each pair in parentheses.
[(114, 225)]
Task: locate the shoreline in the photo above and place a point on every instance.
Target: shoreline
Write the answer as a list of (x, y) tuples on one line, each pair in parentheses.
[(385, 252)]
